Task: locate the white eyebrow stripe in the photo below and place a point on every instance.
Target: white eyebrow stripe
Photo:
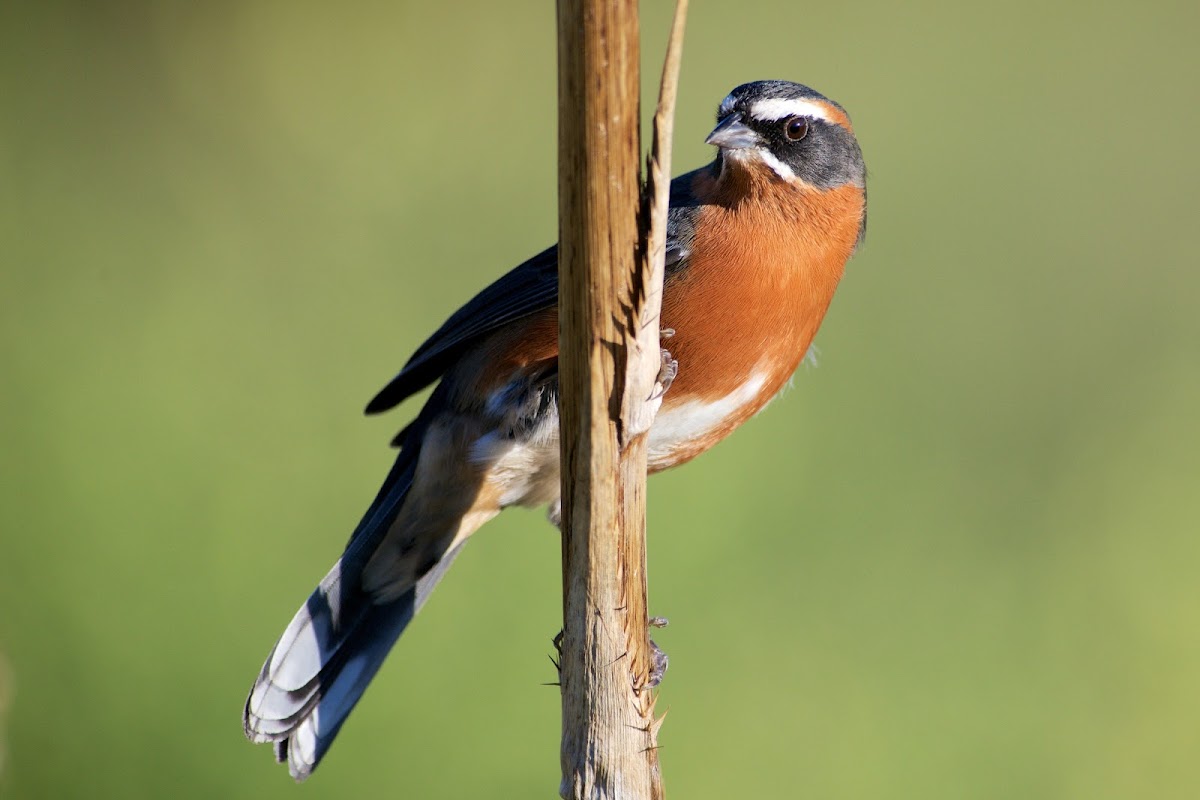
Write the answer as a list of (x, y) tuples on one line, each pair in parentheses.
[(778, 108)]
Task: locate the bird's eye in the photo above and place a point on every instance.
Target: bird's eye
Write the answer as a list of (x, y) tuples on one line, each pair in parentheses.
[(796, 128)]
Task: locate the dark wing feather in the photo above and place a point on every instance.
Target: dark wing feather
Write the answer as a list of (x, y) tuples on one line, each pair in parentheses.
[(529, 288)]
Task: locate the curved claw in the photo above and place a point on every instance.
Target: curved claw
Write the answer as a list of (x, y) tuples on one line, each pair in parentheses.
[(666, 374)]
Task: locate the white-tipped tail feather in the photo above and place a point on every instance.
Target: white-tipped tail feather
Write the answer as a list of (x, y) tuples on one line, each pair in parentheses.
[(335, 644)]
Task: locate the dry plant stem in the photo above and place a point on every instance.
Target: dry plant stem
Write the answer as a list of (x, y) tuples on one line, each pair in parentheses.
[(644, 364), (606, 742), (610, 290)]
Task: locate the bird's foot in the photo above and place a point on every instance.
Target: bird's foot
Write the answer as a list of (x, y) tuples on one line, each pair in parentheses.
[(658, 658), (667, 372)]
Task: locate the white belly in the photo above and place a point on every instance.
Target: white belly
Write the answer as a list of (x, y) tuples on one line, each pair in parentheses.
[(527, 471)]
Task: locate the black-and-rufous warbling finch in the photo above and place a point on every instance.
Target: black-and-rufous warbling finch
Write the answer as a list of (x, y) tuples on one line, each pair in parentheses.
[(756, 244)]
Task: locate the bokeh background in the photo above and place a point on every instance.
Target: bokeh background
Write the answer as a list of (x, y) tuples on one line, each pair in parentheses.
[(959, 559)]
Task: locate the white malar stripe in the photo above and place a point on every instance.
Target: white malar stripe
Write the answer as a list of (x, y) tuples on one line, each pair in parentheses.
[(764, 155), (781, 169), (779, 108)]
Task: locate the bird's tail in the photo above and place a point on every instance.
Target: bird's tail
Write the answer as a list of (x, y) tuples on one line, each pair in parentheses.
[(336, 642)]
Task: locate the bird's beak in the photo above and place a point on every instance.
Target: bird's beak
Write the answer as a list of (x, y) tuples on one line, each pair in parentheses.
[(732, 134)]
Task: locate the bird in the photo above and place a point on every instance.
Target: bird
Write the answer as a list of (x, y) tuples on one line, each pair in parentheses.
[(757, 242)]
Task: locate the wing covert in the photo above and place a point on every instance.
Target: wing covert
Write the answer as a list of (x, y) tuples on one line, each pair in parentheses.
[(529, 287), (526, 289)]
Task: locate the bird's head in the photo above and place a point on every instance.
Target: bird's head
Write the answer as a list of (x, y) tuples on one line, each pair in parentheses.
[(797, 134)]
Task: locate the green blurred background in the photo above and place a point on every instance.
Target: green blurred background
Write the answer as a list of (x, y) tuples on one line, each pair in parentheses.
[(958, 560)]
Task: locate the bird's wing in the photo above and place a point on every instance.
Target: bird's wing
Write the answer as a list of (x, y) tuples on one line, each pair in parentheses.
[(527, 289)]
